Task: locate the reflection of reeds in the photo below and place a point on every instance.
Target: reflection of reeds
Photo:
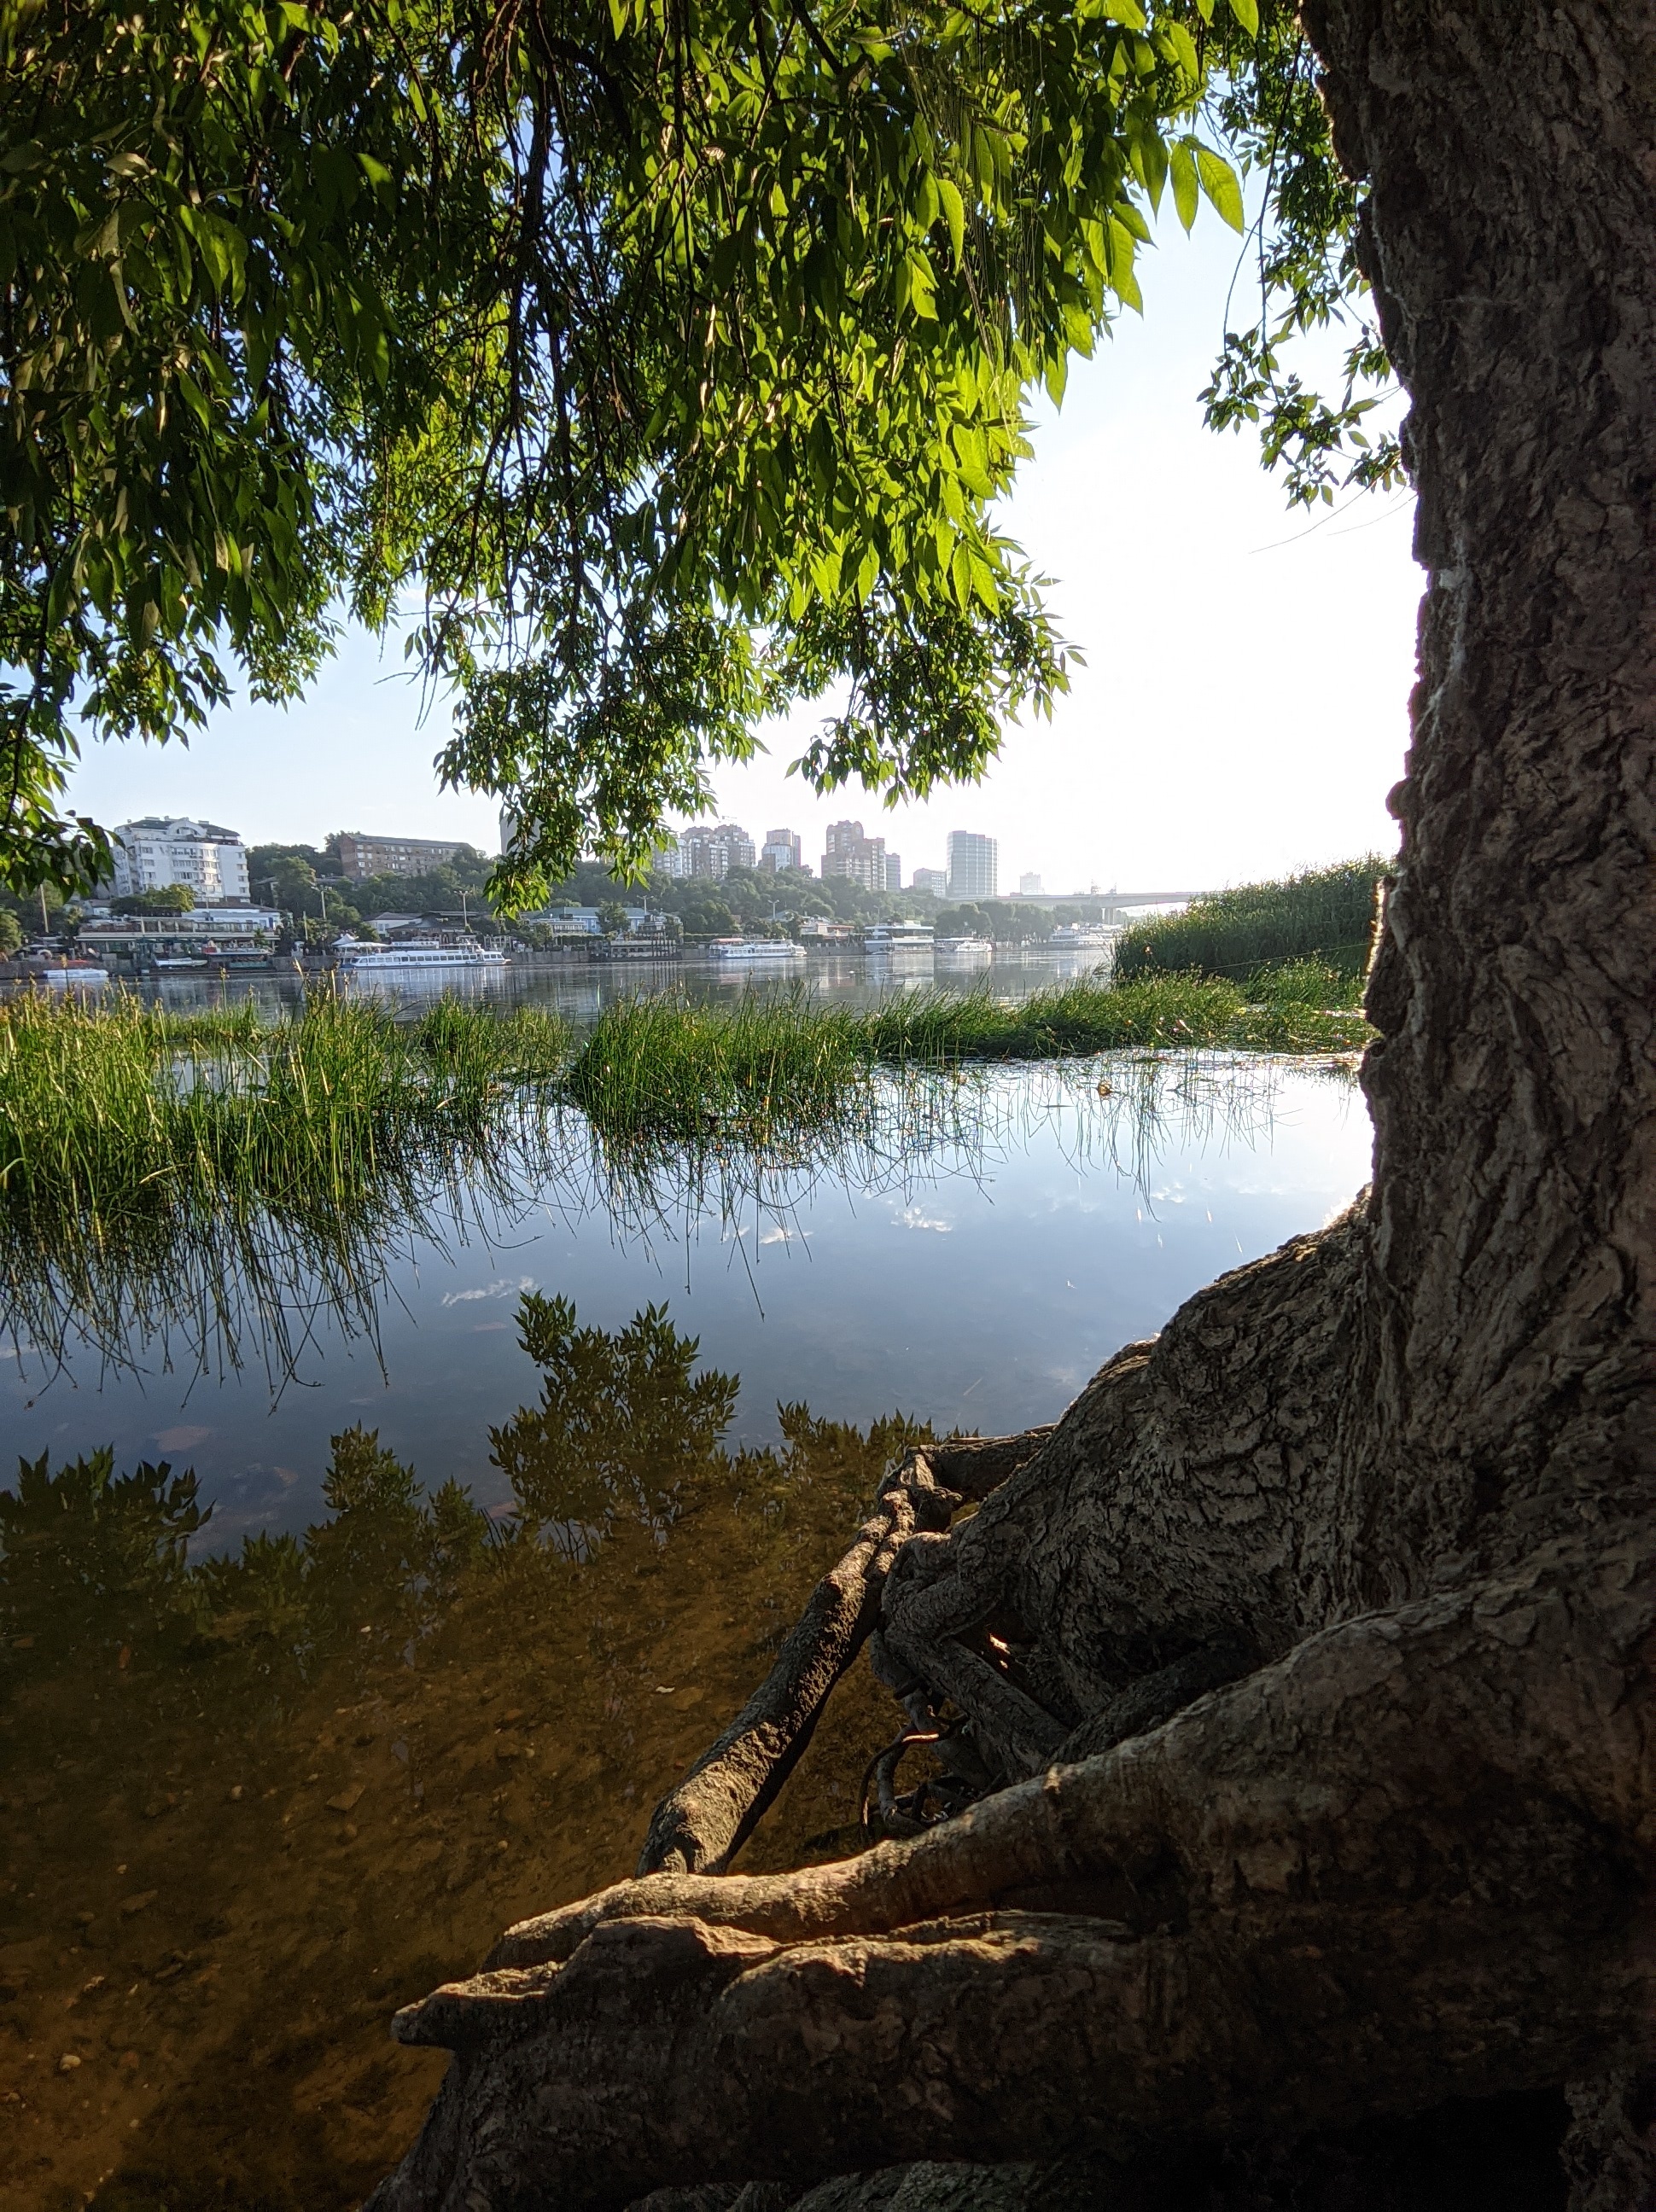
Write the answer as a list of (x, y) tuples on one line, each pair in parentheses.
[(212, 1176), (219, 1186)]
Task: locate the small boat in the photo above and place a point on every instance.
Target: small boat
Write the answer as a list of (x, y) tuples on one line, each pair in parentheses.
[(1081, 937), (421, 954), (965, 948), (174, 960), (748, 949), (67, 973)]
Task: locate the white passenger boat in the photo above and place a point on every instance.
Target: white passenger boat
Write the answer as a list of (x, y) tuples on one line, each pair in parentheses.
[(1081, 937), (898, 937), (748, 950), (420, 955), (69, 973)]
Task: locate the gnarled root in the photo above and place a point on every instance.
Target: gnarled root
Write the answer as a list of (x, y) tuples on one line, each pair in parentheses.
[(701, 1825), (1407, 1861)]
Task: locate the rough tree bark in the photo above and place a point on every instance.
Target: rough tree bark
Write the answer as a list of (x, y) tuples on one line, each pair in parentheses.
[(1404, 1471)]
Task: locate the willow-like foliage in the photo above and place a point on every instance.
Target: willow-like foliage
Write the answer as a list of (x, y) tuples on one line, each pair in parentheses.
[(668, 356)]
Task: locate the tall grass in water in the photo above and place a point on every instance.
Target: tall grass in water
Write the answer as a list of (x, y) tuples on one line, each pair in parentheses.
[(160, 1170), (1324, 914), (769, 1066), (786, 1066)]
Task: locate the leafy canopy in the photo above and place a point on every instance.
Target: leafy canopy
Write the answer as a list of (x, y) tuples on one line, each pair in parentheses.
[(669, 354)]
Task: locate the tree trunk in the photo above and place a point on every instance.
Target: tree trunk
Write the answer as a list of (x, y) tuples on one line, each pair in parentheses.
[(1403, 1470)]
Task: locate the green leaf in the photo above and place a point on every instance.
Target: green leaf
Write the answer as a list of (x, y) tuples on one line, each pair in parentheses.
[(1220, 182), (1247, 13), (1186, 191), (954, 209)]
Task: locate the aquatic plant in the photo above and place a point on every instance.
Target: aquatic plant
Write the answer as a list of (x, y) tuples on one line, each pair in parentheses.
[(163, 1173), (783, 1063), (1321, 914), (774, 1061)]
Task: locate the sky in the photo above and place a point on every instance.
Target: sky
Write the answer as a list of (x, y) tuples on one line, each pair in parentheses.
[(1243, 709)]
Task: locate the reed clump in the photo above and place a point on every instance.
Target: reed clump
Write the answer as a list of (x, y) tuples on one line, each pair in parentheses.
[(155, 1166), (1322, 915), (670, 1067), (785, 1065)]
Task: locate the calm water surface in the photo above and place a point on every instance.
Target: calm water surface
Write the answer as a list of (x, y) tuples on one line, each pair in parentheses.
[(266, 1778)]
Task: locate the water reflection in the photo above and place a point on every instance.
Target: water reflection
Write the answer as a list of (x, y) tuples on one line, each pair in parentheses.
[(254, 1801), (266, 1280)]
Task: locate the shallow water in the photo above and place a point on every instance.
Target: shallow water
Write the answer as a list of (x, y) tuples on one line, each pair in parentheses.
[(252, 1806)]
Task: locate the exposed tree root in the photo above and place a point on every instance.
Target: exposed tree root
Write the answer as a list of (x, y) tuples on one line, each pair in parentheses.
[(700, 1827), (1409, 1859)]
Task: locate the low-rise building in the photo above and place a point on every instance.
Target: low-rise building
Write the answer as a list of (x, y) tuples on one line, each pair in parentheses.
[(204, 930), (161, 850)]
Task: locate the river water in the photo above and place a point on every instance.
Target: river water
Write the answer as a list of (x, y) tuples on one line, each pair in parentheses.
[(268, 1776)]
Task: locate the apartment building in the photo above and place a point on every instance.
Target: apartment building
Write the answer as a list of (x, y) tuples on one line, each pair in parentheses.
[(712, 852), (360, 856), (861, 859), (162, 849), (781, 849), (974, 864)]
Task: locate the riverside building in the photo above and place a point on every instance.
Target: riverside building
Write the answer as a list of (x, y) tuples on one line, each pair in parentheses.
[(861, 859), (974, 864), (360, 856), (714, 852), (161, 850), (779, 850)]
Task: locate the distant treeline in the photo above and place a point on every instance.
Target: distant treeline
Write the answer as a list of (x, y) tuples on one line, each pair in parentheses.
[(1324, 915)]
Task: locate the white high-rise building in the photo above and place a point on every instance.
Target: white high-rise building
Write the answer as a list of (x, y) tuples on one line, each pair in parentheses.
[(1029, 887), (973, 866), (160, 850), (714, 851), (779, 850)]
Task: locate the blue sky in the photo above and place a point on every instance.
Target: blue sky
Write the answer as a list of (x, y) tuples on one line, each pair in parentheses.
[(1243, 709)]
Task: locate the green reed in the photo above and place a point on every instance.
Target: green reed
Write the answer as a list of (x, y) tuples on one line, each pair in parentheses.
[(769, 1064), (786, 1064), (222, 1180), (157, 1167), (1324, 916)]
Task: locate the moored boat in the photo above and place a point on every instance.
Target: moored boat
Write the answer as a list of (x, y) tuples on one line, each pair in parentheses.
[(423, 954), (751, 949)]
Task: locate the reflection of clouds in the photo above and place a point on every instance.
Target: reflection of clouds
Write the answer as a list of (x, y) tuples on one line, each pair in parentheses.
[(914, 1216), (778, 1235), (503, 1289), (180, 1439)]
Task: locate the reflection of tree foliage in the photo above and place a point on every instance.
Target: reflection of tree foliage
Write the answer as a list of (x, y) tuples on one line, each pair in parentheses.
[(93, 1561), (623, 1428)]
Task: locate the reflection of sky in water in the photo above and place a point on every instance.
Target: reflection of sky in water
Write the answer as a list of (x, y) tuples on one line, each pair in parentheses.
[(978, 1287)]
